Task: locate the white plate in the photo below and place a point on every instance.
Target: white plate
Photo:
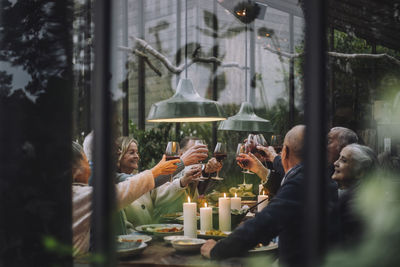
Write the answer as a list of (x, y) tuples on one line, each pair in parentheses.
[(271, 246), (153, 229), (188, 244), (171, 238), (134, 237), (131, 251)]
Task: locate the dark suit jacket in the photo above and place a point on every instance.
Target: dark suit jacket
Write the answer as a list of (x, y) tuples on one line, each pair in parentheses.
[(283, 216), (275, 178), (346, 226), (274, 182)]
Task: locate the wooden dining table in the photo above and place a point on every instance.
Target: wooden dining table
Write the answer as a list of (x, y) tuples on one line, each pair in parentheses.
[(159, 253)]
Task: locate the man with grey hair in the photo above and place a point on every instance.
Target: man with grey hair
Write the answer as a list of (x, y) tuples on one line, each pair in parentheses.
[(283, 216), (338, 138)]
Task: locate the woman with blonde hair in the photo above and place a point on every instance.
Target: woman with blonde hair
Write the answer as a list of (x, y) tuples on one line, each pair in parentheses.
[(143, 210)]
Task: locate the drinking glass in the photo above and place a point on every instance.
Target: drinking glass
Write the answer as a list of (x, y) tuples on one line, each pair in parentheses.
[(201, 178), (220, 154), (276, 142), (260, 141), (241, 148), (172, 151)]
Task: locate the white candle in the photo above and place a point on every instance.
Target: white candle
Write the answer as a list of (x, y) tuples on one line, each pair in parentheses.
[(236, 202), (224, 213), (260, 188), (264, 204), (189, 219), (206, 218)]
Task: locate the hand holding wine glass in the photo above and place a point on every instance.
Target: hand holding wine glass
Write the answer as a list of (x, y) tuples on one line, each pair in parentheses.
[(201, 142), (165, 167), (172, 151), (242, 161), (250, 146), (220, 154)]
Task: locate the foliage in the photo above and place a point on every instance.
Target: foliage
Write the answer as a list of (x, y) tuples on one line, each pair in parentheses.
[(378, 203), (357, 81), (152, 143)]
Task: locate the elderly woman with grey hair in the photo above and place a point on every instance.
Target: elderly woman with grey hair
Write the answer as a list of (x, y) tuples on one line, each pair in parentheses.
[(355, 163)]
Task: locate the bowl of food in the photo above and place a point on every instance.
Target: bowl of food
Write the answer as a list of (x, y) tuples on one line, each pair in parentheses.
[(188, 244), (170, 238)]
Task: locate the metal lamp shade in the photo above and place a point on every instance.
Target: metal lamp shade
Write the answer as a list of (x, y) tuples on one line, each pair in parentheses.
[(246, 121), (186, 105)]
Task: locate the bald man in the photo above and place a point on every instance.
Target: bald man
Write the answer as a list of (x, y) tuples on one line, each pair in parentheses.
[(338, 138), (282, 217)]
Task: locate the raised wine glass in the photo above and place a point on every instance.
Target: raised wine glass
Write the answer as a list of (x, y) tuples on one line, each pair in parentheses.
[(276, 143), (200, 142), (172, 151), (260, 141), (239, 150), (220, 154), (250, 146)]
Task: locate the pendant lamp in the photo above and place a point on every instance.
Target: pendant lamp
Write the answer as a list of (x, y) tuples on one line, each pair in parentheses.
[(246, 120), (186, 105)]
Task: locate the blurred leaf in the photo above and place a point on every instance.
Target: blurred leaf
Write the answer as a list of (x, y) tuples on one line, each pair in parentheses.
[(210, 19), (208, 32), (232, 32)]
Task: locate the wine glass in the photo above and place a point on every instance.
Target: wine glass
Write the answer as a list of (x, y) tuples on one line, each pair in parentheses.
[(200, 142), (276, 142), (172, 151), (260, 141), (250, 146), (242, 149), (220, 154)]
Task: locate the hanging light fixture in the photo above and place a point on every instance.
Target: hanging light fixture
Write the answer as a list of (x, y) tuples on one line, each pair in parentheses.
[(246, 120), (186, 105)]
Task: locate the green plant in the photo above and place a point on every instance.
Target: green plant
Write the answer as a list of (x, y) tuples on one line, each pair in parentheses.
[(152, 143)]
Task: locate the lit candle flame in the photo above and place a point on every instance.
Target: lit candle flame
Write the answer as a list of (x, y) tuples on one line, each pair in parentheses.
[(188, 199), (224, 195), (205, 205), (235, 195)]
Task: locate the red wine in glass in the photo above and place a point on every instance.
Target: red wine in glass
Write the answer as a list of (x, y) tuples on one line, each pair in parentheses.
[(171, 157), (244, 148), (260, 141), (220, 154), (200, 142), (276, 143), (172, 151), (244, 162)]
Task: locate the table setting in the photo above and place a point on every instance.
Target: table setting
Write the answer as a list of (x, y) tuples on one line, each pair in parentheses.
[(198, 223)]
